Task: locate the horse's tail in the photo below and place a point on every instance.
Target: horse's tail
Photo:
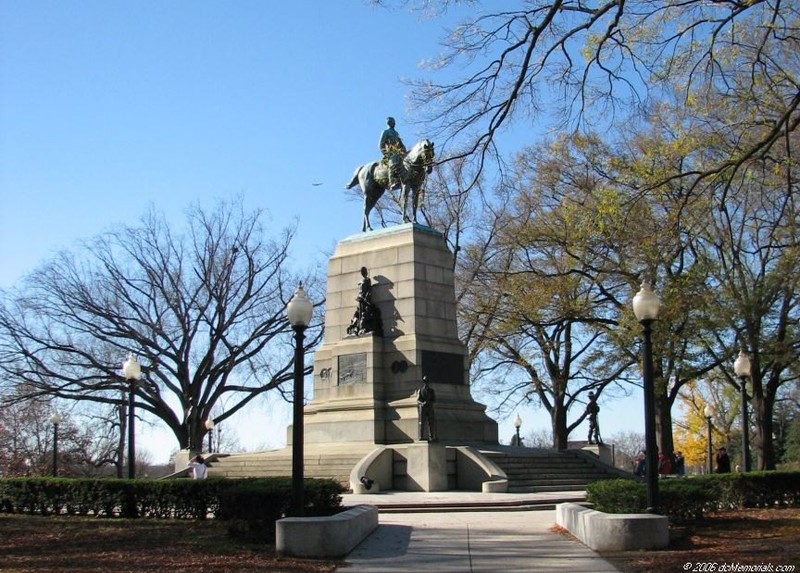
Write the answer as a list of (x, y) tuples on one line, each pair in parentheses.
[(354, 180)]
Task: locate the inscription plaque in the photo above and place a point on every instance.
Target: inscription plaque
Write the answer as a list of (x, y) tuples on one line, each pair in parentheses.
[(353, 368), (443, 367)]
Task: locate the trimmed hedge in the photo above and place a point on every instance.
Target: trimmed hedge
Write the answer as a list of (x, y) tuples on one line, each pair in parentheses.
[(252, 508), (759, 489), (688, 499), (166, 499)]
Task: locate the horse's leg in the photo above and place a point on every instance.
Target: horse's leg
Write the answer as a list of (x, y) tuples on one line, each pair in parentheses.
[(368, 205), (371, 195), (415, 204), (404, 193), (365, 181)]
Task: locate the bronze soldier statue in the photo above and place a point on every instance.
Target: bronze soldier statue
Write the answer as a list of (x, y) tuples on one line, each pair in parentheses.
[(367, 317), (393, 150), (591, 410), (425, 399)]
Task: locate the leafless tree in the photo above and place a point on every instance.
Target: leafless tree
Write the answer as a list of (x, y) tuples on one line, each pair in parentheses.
[(27, 438), (204, 311), (626, 446)]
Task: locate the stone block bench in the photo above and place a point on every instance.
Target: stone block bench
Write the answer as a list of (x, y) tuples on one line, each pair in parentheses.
[(325, 537), (613, 531)]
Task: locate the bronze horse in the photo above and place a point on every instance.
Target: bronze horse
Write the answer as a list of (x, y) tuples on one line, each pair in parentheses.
[(374, 179)]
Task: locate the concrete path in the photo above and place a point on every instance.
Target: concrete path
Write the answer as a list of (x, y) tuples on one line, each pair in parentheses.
[(471, 542)]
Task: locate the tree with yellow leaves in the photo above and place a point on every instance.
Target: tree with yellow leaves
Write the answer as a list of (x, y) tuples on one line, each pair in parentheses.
[(691, 426)]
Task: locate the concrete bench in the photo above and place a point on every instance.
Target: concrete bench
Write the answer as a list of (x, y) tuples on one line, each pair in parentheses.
[(612, 531), (325, 537)]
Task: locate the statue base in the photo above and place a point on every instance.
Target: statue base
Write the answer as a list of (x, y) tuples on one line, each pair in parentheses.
[(364, 386), (426, 467), (602, 451)]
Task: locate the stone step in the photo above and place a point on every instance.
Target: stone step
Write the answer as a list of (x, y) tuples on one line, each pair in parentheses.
[(565, 459), (555, 476), (545, 488), (493, 505), (538, 480), (546, 463), (281, 467), (561, 468)]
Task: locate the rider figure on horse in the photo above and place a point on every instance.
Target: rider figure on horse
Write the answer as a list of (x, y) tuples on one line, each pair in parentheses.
[(393, 150)]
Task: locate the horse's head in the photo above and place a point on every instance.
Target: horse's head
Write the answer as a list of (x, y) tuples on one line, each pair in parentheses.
[(422, 153)]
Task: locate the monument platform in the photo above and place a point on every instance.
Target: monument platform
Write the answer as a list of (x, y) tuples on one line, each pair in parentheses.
[(366, 383)]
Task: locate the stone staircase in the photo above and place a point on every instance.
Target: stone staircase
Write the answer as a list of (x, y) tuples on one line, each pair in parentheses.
[(533, 470), (317, 464), (529, 470)]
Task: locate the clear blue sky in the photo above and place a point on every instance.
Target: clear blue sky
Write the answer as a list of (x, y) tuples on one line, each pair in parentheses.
[(107, 108)]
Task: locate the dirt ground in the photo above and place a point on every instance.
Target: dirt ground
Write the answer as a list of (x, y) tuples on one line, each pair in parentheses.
[(76, 544), (73, 544), (745, 537)]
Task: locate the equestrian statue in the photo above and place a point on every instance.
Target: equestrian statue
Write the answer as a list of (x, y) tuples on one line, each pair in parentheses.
[(399, 169)]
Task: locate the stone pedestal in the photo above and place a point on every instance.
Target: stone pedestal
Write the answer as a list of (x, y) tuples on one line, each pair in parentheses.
[(364, 386), (602, 451), (426, 467), (182, 458)]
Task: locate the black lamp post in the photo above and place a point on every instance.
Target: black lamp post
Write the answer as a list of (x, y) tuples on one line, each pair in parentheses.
[(299, 311), (55, 419), (210, 428), (645, 307), (741, 367), (518, 425), (131, 371), (709, 412)]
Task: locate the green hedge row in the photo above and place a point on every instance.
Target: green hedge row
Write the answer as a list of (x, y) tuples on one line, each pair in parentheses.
[(170, 499), (688, 499)]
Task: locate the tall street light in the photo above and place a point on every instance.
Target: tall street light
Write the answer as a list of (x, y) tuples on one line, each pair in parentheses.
[(709, 412), (210, 428), (55, 419), (298, 311), (131, 371), (645, 307), (518, 425), (741, 368)]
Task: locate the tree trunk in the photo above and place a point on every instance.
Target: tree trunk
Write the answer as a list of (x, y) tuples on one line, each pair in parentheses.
[(664, 425), (559, 424), (765, 450)]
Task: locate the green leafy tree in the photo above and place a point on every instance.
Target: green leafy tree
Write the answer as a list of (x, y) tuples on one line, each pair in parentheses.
[(704, 99), (792, 450), (543, 307)]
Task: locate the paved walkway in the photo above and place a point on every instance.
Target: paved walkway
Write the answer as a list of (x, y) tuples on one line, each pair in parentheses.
[(467, 541)]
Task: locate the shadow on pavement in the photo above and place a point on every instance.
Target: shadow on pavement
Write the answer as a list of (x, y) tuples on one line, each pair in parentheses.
[(385, 542)]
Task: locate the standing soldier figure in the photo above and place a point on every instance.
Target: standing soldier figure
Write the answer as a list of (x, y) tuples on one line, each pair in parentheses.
[(591, 410), (425, 399)]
